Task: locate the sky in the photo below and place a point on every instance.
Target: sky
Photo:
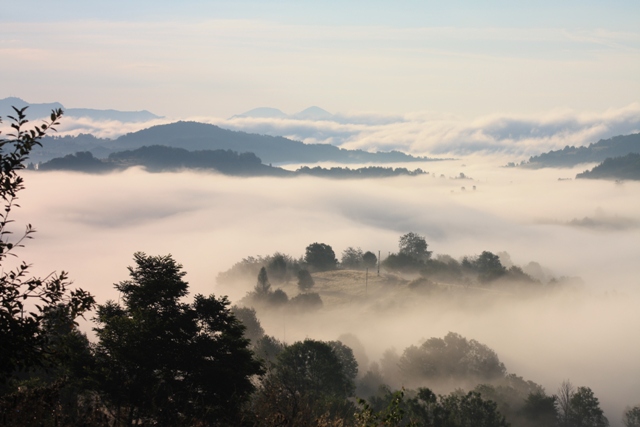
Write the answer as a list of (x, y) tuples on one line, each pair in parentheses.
[(220, 58)]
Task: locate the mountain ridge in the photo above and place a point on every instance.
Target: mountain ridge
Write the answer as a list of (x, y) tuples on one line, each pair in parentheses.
[(43, 110), (597, 152), (203, 136)]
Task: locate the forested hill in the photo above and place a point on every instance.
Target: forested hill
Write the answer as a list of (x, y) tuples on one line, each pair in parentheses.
[(594, 153), (160, 158), (200, 136), (619, 168)]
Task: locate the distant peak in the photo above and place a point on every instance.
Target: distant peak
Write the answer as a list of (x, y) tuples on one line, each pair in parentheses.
[(313, 113), (263, 113), (13, 99)]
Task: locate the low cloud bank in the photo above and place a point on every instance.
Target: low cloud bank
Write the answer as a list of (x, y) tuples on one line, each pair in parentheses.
[(422, 133), (91, 226)]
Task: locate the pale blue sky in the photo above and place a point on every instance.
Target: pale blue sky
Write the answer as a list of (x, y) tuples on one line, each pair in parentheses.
[(221, 57)]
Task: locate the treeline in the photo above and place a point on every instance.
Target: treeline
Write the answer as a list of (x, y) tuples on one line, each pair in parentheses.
[(618, 168), (593, 153), (194, 136), (160, 158), (425, 272)]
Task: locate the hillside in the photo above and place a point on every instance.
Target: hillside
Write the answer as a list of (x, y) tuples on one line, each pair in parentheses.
[(160, 158), (201, 136), (193, 136), (618, 168), (594, 153)]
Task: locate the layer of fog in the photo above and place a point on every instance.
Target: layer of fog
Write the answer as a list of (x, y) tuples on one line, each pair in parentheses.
[(419, 133), (91, 225)]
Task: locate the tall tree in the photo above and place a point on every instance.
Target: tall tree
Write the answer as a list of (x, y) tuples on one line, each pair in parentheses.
[(307, 382), (369, 259), (167, 361), (305, 281), (578, 407), (585, 410), (414, 246), (631, 417), (351, 258), (26, 301), (263, 287), (320, 257)]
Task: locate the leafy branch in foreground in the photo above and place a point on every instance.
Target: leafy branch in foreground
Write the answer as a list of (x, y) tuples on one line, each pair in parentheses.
[(24, 300)]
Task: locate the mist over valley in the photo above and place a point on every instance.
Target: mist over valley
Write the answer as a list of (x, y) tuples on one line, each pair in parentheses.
[(336, 214), (209, 222)]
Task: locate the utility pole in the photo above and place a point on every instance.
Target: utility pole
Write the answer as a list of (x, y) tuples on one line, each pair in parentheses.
[(378, 263), (366, 281)]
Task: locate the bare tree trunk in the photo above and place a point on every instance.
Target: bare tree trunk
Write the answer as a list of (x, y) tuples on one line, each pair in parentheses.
[(565, 393)]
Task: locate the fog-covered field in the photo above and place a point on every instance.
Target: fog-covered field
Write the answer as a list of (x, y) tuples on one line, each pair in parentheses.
[(90, 225)]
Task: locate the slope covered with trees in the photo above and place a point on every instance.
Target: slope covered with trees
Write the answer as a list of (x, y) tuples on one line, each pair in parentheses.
[(160, 158), (194, 136), (593, 153), (618, 168)]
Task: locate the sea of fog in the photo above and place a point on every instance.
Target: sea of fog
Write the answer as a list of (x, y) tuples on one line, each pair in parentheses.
[(90, 226)]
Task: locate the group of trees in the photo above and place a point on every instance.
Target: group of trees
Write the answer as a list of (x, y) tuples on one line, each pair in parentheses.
[(450, 360), (412, 254), (355, 259)]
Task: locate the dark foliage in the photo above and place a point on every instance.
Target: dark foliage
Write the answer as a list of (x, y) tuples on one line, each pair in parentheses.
[(200, 136), (369, 260), (170, 362), (620, 168), (402, 263), (487, 265), (308, 382), (415, 246), (427, 409), (366, 172), (351, 258), (82, 161), (305, 281), (631, 417), (596, 152), (320, 257), (26, 301), (306, 302), (247, 316), (453, 359)]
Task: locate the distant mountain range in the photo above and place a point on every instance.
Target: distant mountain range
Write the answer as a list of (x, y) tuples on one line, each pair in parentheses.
[(39, 111), (594, 153), (311, 113), (160, 158), (194, 136)]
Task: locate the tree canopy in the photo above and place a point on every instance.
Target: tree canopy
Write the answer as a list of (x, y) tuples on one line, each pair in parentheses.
[(166, 360), (414, 246), (452, 358), (320, 257)]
